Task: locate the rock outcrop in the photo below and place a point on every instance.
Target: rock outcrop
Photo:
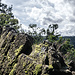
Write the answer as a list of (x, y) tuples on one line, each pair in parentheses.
[(18, 55), (72, 65)]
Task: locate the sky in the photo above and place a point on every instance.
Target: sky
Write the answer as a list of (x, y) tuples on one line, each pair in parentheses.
[(44, 13)]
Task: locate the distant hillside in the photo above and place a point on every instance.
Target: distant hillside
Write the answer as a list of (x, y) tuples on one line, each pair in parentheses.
[(72, 39)]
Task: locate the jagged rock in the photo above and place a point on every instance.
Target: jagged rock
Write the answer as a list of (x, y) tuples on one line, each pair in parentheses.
[(72, 65), (12, 44), (18, 55), (73, 72), (0, 30), (55, 58), (50, 57), (57, 72)]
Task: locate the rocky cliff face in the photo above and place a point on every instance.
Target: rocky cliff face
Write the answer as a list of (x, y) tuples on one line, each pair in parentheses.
[(18, 56)]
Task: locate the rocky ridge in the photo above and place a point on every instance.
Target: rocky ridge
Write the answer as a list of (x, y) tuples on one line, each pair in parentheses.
[(18, 56)]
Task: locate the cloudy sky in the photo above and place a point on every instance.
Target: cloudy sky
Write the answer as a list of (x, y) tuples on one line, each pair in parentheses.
[(46, 12)]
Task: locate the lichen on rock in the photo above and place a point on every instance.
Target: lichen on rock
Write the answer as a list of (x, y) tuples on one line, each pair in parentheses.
[(18, 56), (17, 51)]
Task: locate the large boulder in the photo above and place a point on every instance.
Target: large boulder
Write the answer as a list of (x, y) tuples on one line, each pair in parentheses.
[(12, 44)]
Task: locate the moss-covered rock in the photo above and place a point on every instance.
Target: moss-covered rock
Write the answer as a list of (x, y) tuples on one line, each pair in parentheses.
[(12, 44), (19, 57)]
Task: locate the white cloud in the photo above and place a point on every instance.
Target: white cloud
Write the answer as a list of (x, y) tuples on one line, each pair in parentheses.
[(46, 12), (35, 13), (24, 27)]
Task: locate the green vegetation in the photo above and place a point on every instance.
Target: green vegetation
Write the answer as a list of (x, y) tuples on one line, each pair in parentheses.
[(13, 70), (63, 44), (50, 67), (17, 51), (38, 69), (7, 17), (39, 35), (36, 33)]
